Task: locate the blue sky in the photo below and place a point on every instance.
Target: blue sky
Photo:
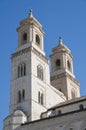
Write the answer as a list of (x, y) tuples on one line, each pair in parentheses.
[(65, 18)]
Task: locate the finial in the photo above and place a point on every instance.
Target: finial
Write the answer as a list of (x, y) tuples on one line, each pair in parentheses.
[(30, 13), (60, 41)]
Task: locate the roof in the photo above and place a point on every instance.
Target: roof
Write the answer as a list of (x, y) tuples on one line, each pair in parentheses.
[(61, 47), (31, 20), (52, 117), (69, 102)]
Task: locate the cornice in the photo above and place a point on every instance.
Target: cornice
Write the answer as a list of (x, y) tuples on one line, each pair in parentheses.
[(57, 76), (65, 74), (61, 52), (30, 49), (18, 53)]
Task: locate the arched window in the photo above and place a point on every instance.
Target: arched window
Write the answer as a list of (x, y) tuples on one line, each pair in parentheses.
[(40, 98), (19, 96), (25, 37), (22, 70), (58, 63), (73, 93), (19, 71), (37, 39), (23, 94), (81, 107), (40, 72), (69, 65)]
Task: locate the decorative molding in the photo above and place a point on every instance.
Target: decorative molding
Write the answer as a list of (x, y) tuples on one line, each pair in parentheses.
[(64, 75), (30, 49)]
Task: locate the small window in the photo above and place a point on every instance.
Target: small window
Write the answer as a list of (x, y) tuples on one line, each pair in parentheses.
[(24, 36), (23, 94), (21, 70), (24, 69), (40, 72), (19, 96), (69, 65), (81, 107), (40, 98), (37, 39), (58, 64)]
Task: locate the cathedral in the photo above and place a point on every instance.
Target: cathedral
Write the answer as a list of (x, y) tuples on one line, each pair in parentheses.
[(40, 99)]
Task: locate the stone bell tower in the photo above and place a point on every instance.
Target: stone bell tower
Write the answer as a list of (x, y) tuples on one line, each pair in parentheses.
[(27, 75), (62, 75)]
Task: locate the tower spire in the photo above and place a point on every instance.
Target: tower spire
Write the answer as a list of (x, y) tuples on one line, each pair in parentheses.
[(30, 13), (60, 41)]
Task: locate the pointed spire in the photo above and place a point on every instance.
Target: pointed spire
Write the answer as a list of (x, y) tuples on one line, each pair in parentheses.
[(30, 13), (60, 41)]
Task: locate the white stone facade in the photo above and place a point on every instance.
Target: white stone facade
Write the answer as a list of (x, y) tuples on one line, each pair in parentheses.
[(39, 100)]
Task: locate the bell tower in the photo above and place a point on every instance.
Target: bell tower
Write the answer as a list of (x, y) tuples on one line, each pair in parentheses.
[(30, 70), (30, 34), (62, 75)]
